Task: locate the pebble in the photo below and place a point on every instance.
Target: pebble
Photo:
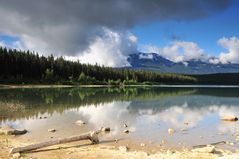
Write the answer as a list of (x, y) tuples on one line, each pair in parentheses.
[(125, 125), (237, 138), (16, 155), (52, 130), (207, 149), (171, 131), (126, 131), (80, 122), (105, 129), (184, 129), (142, 144), (123, 148), (163, 141)]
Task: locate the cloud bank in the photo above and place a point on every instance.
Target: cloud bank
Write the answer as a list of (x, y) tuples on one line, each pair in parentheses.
[(78, 28), (181, 51)]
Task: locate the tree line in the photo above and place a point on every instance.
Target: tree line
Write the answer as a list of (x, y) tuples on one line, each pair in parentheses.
[(18, 67)]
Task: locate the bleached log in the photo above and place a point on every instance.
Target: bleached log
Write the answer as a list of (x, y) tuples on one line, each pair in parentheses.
[(92, 136)]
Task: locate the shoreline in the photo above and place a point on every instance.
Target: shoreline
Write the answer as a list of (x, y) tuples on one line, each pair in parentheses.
[(3, 86), (86, 150)]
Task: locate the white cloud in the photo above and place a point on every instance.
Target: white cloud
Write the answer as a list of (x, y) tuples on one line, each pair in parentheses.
[(180, 51), (112, 49), (232, 44)]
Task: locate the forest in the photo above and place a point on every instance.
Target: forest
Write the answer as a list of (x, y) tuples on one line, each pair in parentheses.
[(25, 67)]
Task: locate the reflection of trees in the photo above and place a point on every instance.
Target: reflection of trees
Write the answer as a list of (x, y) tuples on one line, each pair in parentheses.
[(50, 100)]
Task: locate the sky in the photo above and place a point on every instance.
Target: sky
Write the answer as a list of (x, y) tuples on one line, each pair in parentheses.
[(106, 32)]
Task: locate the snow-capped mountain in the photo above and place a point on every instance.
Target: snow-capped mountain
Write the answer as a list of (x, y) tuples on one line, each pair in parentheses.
[(155, 62)]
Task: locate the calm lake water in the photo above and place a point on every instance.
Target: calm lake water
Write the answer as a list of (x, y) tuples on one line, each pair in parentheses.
[(148, 111)]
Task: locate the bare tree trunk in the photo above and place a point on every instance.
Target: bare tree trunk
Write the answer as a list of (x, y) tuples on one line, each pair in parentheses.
[(92, 136)]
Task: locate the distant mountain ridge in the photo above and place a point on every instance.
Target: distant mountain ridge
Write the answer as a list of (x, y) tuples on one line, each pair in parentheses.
[(157, 63)]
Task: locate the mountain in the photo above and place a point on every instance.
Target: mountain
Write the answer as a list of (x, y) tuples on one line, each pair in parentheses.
[(157, 63)]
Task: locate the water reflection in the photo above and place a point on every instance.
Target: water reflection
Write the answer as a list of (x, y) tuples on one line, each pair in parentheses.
[(149, 112)]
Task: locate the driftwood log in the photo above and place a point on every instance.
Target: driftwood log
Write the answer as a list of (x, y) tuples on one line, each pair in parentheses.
[(92, 136)]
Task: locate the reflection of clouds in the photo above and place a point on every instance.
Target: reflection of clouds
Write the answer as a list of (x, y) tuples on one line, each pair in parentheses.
[(176, 116), (116, 113), (113, 114)]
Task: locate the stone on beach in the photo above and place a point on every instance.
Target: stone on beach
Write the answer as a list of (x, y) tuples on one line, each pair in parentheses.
[(126, 131), (142, 144), (8, 130), (123, 148), (80, 122), (16, 156), (207, 149), (171, 131), (105, 129), (52, 130), (229, 118), (125, 125)]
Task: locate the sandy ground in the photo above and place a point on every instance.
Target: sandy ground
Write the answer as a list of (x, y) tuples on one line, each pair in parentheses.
[(84, 149)]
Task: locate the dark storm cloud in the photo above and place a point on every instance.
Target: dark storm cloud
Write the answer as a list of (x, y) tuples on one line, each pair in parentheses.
[(69, 26)]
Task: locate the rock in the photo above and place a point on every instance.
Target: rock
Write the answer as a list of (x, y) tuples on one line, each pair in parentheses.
[(163, 141), (80, 122), (105, 129), (125, 125), (171, 131), (52, 130), (207, 149), (7, 130), (237, 138), (123, 148), (45, 117), (16, 155), (126, 131), (184, 129), (229, 143), (229, 118), (142, 144)]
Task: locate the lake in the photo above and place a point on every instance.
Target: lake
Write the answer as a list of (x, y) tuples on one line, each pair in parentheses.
[(193, 112)]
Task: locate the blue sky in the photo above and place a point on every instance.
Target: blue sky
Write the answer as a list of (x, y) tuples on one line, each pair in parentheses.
[(204, 31)]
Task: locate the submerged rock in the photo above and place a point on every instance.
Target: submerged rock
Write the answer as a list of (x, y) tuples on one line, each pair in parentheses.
[(125, 125), (105, 129), (229, 118), (7, 130), (126, 131), (171, 131), (80, 122), (163, 142)]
